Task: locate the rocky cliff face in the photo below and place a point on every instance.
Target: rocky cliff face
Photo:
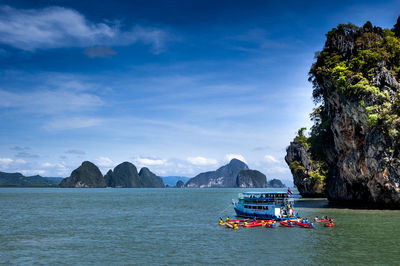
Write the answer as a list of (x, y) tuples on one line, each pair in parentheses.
[(367, 168), (225, 176), (251, 179), (301, 165), (355, 78), (87, 175)]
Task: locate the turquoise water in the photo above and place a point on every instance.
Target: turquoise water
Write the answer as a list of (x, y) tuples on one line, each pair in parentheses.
[(179, 226)]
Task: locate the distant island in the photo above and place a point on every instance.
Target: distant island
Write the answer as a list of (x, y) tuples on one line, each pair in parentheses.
[(19, 180), (125, 175), (172, 180), (235, 174), (352, 153)]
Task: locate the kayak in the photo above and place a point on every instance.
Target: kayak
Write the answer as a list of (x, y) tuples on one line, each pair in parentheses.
[(293, 220), (261, 221), (286, 224), (253, 224), (322, 221), (329, 225), (229, 225), (305, 225), (237, 220)]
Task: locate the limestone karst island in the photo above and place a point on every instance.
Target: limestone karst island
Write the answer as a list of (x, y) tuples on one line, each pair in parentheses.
[(352, 153)]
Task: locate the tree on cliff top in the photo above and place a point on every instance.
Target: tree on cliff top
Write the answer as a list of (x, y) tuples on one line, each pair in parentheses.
[(396, 28)]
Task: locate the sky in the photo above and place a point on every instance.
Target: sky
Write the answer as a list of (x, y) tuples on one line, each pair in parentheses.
[(180, 87)]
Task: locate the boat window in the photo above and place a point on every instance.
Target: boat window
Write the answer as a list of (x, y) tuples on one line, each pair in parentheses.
[(259, 207), (254, 207)]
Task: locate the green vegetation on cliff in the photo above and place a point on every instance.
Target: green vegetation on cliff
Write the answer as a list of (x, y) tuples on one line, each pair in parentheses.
[(314, 146), (359, 69)]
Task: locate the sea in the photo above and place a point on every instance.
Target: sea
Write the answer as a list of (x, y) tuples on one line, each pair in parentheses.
[(55, 226)]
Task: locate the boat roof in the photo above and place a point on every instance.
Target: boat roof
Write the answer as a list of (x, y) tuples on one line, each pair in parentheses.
[(259, 193)]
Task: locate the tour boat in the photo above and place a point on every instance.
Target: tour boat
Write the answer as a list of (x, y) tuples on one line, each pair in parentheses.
[(264, 205)]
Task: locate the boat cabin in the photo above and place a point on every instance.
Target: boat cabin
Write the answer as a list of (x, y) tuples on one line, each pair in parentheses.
[(264, 197), (264, 205)]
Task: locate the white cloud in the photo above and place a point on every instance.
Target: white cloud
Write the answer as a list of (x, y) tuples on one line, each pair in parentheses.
[(49, 101), (8, 163), (105, 162), (278, 169), (270, 159), (46, 164), (150, 161), (201, 161), (161, 172), (230, 156), (5, 162), (56, 168), (76, 152), (32, 172), (55, 27), (72, 123)]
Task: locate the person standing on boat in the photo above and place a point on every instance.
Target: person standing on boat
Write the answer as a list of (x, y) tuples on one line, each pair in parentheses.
[(291, 212)]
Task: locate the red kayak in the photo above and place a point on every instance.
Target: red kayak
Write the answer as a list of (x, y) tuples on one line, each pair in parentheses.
[(305, 225), (329, 225), (253, 224), (286, 224), (322, 221), (264, 221)]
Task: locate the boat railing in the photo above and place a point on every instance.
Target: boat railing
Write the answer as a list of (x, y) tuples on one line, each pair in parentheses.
[(264, 201)]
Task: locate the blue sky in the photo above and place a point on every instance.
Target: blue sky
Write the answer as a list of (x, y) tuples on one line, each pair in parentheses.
[(178, 86)]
